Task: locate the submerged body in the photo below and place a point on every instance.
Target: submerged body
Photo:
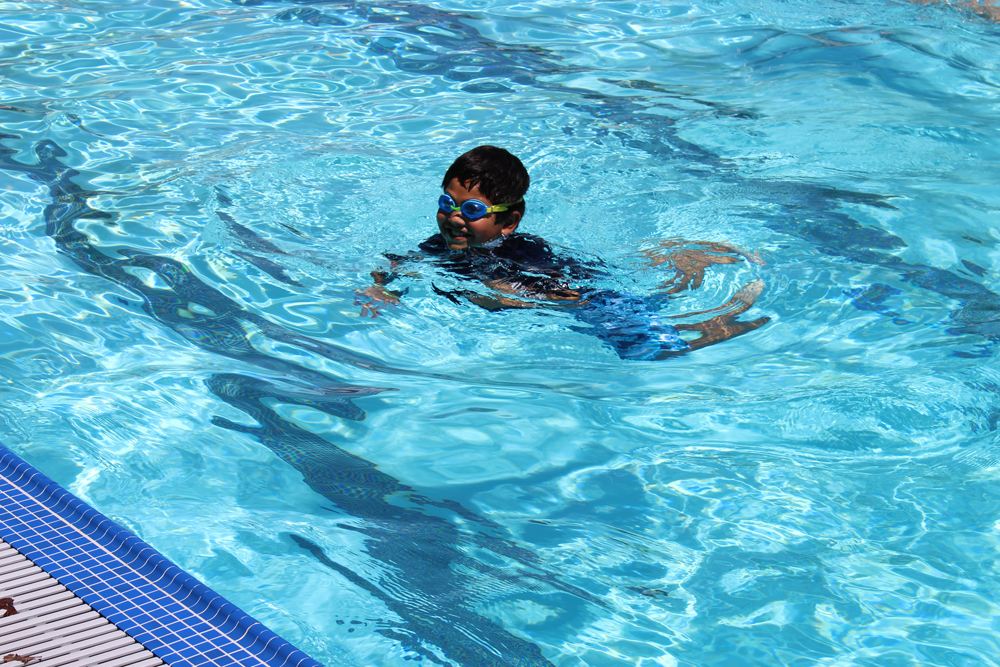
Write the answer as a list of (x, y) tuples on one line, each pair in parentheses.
[(526, 266)]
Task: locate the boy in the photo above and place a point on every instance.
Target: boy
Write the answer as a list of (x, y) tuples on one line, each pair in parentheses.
[(478, 216)]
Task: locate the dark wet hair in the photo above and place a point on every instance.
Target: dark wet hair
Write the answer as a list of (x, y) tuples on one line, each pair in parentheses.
[(501, 177)]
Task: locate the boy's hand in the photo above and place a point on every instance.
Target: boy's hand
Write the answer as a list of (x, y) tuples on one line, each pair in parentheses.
[(689, 259), (373, 299)]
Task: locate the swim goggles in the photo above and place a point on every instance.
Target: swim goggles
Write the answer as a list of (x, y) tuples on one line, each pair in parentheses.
[(472, 209)]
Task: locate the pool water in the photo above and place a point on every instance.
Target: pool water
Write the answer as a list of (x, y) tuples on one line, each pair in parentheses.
[(181, 344)]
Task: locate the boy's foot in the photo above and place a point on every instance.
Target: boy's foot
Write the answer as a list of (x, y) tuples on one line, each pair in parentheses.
[(724, 326), (689, 259), (745, 297)]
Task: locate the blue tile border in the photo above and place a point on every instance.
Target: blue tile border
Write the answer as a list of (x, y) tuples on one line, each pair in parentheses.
[(179, 619)]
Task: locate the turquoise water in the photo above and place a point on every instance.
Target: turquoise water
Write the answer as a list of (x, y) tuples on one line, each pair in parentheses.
[(450, 485)]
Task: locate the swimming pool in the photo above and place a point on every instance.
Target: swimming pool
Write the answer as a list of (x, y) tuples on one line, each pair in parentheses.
[(498, 488)]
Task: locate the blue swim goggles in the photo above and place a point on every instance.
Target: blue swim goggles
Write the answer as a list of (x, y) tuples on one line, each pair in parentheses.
[(472, 209)]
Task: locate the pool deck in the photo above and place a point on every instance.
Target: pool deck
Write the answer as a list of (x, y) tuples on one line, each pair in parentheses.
[(71, 574), (48, 623)]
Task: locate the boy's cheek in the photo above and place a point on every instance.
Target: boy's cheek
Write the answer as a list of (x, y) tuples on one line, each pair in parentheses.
[(442, 221)]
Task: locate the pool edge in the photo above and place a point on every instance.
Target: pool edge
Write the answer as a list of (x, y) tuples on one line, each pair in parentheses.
[(181, 620)]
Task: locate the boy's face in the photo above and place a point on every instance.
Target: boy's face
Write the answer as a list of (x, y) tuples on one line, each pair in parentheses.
[(459, 232)]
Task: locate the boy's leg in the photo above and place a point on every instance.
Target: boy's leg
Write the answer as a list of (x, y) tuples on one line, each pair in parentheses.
[(724, 325)]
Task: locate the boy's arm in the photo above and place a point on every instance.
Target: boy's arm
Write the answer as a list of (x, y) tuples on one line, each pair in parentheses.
[(556, 293), (373, 298)]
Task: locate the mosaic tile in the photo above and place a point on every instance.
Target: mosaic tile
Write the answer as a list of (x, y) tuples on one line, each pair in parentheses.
[(181, 620)]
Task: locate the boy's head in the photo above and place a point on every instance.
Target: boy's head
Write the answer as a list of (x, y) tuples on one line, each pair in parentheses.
[(489, 175)]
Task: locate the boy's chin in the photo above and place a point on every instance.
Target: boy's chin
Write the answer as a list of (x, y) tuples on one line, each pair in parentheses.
[(457, 243)]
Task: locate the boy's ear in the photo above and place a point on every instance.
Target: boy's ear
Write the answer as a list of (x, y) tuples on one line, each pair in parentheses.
[(511, 223)]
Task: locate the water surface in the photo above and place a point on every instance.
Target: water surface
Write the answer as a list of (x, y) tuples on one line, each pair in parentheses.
[(181, 345)]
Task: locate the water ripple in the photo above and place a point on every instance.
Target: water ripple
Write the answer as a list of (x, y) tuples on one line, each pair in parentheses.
[(820, 491)]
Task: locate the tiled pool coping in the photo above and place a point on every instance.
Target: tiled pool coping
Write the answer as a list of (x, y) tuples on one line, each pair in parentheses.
[(182, 621)]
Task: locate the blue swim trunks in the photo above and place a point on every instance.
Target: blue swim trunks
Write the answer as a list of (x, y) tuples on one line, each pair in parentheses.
[(628, 324)]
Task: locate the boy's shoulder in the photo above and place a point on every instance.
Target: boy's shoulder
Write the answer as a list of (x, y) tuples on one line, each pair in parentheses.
[(516, 246), (524, 248), (517, 252)]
